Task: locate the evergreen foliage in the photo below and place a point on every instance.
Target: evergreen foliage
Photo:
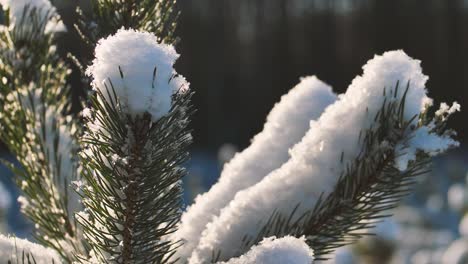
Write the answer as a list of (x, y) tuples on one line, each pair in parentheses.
[(132, 172), (37, 129), (126, 166), (367, 190), (108, 16)]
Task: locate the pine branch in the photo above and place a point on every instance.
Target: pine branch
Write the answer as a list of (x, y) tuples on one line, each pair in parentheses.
[(305, 102), (37, 129), (132, 170), (107, 16), (369, 187)]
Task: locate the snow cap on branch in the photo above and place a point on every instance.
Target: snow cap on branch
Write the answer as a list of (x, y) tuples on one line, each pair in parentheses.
[(43, 8), (273, 250), (286, 124), (320, 158), (422, 139), (140, 69), (12, 248), (446, 110)]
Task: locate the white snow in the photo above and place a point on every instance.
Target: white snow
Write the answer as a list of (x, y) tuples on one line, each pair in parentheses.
[(147, 66), (12, 248), (422, 139), (86, 113), (274, 250), (57, 139), (315, 164), (43, 7), (286, 124), (445, 109)]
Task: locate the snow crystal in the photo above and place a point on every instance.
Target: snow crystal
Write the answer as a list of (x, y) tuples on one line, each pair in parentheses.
[(86, 113), (23, 201), (446, 110), (428, 102), (77, 185), (12, 248), (140, 69), (274, 250), (315, 164), (285, 125), (44, 8)]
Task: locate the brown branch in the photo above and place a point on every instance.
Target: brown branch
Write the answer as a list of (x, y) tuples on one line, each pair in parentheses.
[(138, 136)]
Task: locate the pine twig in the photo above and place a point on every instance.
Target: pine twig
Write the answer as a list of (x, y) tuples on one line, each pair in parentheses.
[(370, 186), (37, 129), (132, 170)]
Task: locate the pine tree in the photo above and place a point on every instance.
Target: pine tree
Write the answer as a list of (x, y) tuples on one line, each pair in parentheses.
[(134, 146), (324, 168), (36, 123)]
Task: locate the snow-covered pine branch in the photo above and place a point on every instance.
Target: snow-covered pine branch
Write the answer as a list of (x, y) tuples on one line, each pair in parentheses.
[(106, 17), (36, 128), (20, 251), (325, 153), (134, 143), (355, 159), (25, 45), (273, 250), (28, 14), (285, 126)]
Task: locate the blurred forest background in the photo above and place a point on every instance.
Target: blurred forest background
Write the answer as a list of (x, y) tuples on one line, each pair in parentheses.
[(242, 55)]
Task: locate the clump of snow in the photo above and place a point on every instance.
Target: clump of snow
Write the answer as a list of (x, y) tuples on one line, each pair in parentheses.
[(140, 69), (43, 8), (425, 140), (56, 136), (23, 202), (427, 103), (319, 159), (274, 250), (286, 124), (12, 249), (86, 113), (446, 110), (422, 139)]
